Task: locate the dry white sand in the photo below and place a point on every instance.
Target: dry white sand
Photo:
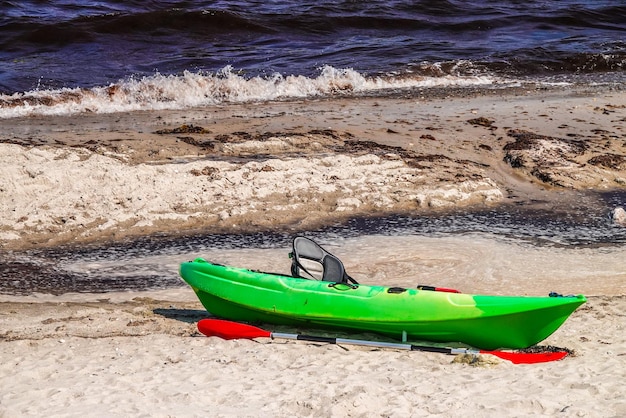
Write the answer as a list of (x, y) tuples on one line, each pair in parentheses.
[(143, 357), (139, 354)]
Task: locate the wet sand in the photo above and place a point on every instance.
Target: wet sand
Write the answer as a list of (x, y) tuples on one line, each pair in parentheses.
[(297, 165)]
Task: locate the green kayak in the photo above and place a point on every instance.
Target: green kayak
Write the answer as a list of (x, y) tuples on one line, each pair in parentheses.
[(485, 322)]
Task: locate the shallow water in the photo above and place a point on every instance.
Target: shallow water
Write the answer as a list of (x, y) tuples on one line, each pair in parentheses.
[(505, 250)]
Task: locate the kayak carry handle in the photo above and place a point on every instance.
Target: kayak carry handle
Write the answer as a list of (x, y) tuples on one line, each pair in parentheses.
[(437, 289)]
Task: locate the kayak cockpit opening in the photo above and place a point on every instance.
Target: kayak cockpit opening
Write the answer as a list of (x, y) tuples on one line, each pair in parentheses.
[(310, 261)]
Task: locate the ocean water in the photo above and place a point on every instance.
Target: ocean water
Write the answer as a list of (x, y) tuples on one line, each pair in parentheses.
[(65, 57)]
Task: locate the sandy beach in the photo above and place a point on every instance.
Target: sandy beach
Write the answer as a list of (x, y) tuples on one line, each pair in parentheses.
[(292, 166), (144, 357)]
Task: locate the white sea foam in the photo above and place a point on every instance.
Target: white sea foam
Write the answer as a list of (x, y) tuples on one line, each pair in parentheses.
[(199, 89)]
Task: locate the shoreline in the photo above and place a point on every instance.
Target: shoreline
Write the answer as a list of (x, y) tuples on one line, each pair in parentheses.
[(302, 164)]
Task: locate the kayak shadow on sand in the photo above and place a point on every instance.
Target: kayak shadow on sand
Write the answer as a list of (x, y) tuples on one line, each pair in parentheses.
[(189, 316)]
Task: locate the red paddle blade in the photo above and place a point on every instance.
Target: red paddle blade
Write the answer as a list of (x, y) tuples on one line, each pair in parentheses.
[(228, 330), (528, 358)]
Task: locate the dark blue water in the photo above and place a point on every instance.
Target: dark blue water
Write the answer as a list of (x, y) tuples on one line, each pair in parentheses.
[(48, 45)]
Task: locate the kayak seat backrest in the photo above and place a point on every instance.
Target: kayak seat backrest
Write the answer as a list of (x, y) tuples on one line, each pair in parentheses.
[(333, 269), (311, 261)]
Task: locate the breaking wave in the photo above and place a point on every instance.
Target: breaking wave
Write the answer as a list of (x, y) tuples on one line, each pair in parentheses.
[(200, 89)]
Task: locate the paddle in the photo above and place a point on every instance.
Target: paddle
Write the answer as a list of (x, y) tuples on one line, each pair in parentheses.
[(229, 330)]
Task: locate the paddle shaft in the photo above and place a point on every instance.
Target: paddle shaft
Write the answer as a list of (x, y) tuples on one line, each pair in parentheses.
[(230, 330), (381, 344)]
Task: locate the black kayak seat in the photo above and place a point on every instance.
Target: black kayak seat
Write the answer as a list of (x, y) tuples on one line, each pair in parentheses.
[(310, 261)]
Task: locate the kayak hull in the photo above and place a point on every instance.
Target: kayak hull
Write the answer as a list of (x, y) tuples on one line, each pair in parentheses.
[(484, 322)]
